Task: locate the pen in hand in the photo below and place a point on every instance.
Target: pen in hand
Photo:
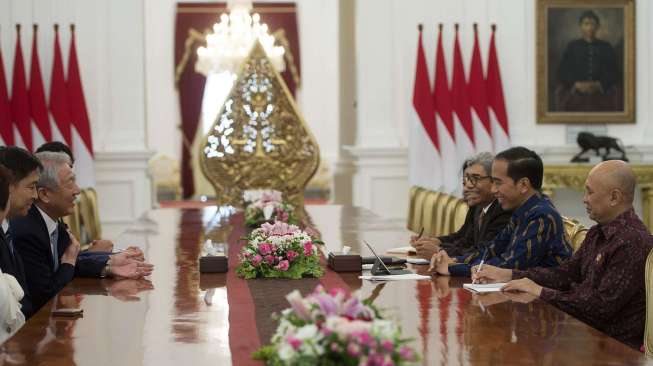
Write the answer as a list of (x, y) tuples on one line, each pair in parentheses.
[(421, 231), (480, 266)]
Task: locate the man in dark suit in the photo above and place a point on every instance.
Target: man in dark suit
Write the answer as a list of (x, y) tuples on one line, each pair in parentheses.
[(22, 193), (50, 253), (484, 219)]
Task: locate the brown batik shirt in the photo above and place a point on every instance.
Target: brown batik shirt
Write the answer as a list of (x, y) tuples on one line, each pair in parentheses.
[(603, 283)]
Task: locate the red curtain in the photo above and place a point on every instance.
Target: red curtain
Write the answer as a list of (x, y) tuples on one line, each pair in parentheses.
[(194, 19)]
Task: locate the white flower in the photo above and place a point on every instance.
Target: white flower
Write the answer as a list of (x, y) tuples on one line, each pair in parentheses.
[(286, 352), (384, 328), (307, 332)]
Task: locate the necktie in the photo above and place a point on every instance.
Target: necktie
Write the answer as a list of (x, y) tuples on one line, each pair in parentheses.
[(54, 237), (10, 242), (480, 220)]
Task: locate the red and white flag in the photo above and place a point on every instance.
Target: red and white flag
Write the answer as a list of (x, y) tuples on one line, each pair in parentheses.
[(41, 130), (6, 125), (424, 159), (444, 113), (59, 105), (19, 99), (82, 145), (478, 100), (497, 105), (462, 117)]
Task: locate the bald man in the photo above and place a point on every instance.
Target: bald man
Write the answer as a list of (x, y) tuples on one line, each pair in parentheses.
[(603, 282)]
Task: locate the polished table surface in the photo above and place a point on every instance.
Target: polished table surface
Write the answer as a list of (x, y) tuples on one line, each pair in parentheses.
[(184, 318)]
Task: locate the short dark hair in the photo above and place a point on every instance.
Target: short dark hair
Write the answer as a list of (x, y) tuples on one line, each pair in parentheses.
[(589, 14), (57, 146), (523, 163), (5, 181), (19, 161)]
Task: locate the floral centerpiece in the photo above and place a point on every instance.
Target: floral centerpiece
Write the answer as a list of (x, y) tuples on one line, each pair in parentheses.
[(267, 206), (334, 329), (280, 250)]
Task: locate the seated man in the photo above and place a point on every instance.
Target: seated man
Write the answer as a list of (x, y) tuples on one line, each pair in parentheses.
[(50, 253), (96, 245), (535, 234), (484, 219), (24, 170), (603, 283)]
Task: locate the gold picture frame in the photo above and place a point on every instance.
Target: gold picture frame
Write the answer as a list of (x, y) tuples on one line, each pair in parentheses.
[(585, 72)]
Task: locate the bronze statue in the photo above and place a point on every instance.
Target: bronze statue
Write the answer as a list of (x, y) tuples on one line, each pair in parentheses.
[(588, 141)]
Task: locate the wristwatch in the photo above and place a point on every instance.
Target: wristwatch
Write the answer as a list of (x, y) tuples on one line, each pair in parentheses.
[(106, 271)]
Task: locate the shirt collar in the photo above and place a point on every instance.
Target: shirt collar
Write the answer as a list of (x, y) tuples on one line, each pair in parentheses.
[(5, 225), (526, 206), (619, 223), (50, 223)]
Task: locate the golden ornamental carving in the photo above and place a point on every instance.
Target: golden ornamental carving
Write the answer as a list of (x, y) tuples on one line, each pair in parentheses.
[(259, 140)]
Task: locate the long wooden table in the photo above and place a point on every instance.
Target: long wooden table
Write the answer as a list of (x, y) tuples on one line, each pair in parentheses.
[(184, 318)]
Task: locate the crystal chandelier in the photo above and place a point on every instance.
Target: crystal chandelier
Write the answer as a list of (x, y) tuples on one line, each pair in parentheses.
[(233, 38)]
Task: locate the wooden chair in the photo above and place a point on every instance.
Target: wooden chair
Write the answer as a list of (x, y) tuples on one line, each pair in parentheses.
[(440, 207), (648, 329), (411, 224), (429, 216), (460, 214), (418, 209), (574, 232), (164, 171), (90, 227), (449, 215), (73, 221)]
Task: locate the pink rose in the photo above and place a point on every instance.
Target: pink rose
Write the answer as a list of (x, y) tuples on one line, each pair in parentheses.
[(270, 259), (407, 353), (265, 248), (291, 254), (283, 265), (256, 260), (387, 345), (308, 249), (294, 342)]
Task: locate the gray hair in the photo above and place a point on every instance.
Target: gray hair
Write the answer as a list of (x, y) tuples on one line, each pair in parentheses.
[(52, 163), (483, 159)]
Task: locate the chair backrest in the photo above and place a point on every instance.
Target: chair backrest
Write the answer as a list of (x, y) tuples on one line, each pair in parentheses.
[(166, 178), (648, 282), (418, 209), (460, 214), (429, 216), (73, 221), (449, 215), (412, 201), (574, 232), (90, 229), (440, 219)]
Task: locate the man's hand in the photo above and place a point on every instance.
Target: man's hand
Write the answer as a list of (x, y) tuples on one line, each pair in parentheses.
[(491, 274), (524, 285), (132, 269), (426, 248), (134, 253), (101, 246), (440, 263), (442, 289), (70, 255), (414, 240)]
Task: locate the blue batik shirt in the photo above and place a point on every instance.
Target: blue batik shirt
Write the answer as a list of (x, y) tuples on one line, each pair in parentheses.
[(534, 237)]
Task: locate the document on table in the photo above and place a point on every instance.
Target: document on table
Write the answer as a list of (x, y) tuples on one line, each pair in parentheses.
[(410, 276), (402, 250), (484, 287), (418, 261)]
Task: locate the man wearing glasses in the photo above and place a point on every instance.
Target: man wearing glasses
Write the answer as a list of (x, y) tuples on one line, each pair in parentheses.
[(484, 219), (534, 236)]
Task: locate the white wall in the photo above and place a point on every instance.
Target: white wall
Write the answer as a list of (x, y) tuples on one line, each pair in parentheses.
[(111, 57), (386, 39)]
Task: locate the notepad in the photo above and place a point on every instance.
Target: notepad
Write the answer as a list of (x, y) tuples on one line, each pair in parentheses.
[(402, 250), (417, 261), (402, 277), (485, 287)]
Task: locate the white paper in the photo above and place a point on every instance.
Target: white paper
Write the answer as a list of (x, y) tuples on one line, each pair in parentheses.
[(402, 250), (486, 287), (401, 277), (417, 261)]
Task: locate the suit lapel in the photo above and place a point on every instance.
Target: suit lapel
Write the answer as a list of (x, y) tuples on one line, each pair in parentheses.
[(44, 236)]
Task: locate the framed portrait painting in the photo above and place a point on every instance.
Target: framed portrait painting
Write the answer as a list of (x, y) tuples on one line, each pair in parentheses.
[(585, 61)]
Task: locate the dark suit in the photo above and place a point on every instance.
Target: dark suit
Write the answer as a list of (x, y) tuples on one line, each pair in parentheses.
[(32, 241), (471, 233), (13, 265)]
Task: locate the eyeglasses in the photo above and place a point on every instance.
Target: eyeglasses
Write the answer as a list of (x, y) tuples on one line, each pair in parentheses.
[(474, 179)]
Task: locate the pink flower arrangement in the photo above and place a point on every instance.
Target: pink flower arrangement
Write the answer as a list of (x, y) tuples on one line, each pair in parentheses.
[(267, 206), (280, 250), (335, 328)]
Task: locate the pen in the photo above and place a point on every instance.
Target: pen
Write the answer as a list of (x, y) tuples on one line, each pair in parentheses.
[(480, 266), (421, 231)]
